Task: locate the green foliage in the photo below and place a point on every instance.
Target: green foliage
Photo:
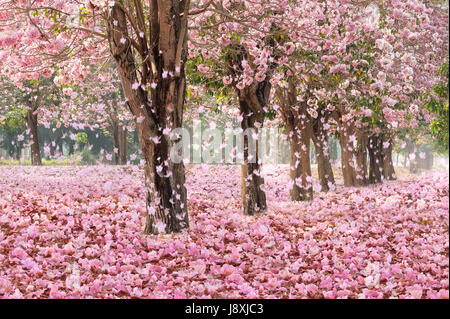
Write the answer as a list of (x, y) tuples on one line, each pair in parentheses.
[(45, 162), (437, 104), (12, 125), (14, 121), (82, 137), (86, 156), (197, 78)]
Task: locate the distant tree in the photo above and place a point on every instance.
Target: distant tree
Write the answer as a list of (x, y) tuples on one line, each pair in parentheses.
[(438, 106)]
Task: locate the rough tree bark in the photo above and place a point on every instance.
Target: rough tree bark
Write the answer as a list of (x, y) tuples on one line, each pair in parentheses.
[(388, 164), (300, 164), (120, 143), (251, 102), (376, 159), (33, 126), (163, 53), (361, 159), (123, 146), (320, 140), (299, 130), (346, 130)]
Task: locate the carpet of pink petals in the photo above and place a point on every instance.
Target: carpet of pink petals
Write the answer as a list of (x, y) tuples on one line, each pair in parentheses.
[(76, 232)]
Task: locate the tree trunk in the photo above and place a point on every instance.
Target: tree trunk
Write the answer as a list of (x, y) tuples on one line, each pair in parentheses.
[(333, 151), (120, 143), (253, 196), (18, 152), (60, 145), (388, 165), (12, 152), (324, 168), (54, 148), (35, 150), (115, 134), (361, 159), (165, 179), (123, 146), (299, 128), (429, 160), (411, 149), (413, 167), (71, 147), (376, 159), (347, 152), (300, 165), (253, 100)]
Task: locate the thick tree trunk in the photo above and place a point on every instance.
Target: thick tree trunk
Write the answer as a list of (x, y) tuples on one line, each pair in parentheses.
[(299, 128), (164, 65), (324, 168), (361, 159), (35, 150), (123, 146), (376, 159), (253, 100), (167, 195), (300, 165), (120, 144), (388, 165), (347, 152), (253, 196)]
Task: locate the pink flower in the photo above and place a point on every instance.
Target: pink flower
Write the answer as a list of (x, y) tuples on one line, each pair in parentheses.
[(227, 269), (203, 69), (289, 48), (227, 80), (260, 77)]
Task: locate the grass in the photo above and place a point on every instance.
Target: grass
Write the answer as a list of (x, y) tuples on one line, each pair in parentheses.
[(45, 162)]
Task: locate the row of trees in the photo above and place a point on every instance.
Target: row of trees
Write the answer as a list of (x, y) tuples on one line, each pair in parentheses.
[(66, 109), (346, 67)]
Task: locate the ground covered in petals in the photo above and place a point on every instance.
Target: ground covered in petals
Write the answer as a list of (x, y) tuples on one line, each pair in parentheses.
[(77, 232)]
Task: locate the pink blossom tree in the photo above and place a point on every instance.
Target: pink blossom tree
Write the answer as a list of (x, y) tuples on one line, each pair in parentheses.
[(148, 41)]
